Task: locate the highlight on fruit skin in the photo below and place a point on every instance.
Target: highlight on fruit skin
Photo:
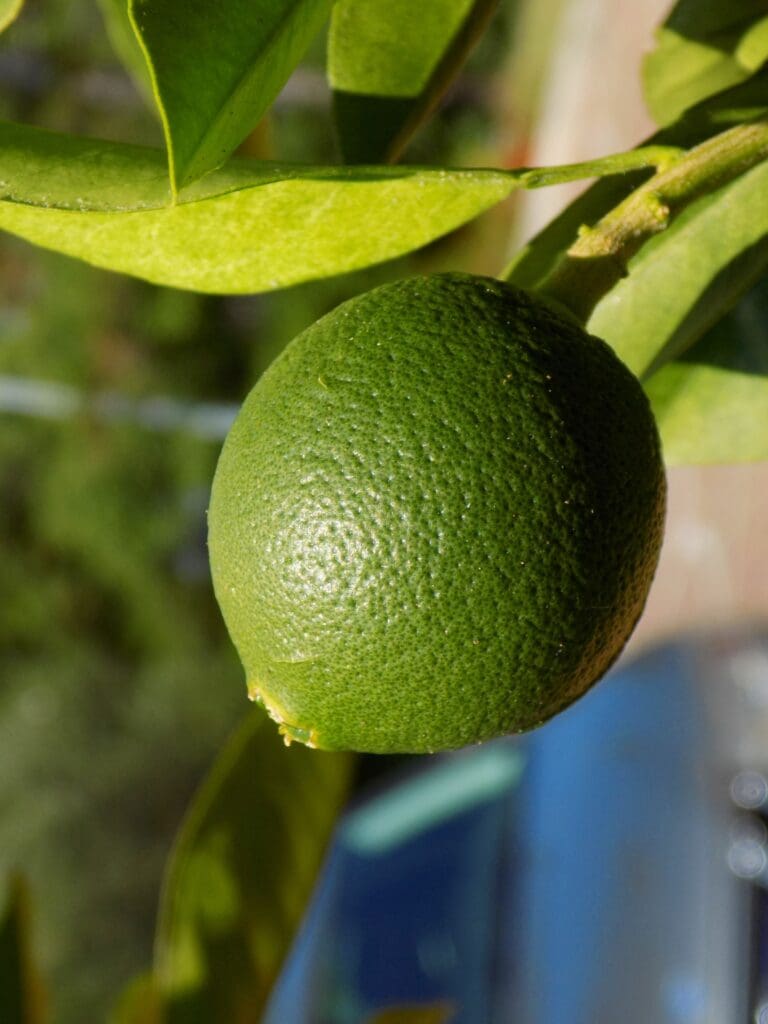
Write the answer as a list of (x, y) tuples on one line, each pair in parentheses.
[(436, 518)]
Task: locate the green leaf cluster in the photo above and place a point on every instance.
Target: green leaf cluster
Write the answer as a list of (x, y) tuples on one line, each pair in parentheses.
[(213, 71), (703, 47), (108, 204)]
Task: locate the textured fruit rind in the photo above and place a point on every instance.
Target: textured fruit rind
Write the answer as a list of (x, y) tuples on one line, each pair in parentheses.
[(436, 518)]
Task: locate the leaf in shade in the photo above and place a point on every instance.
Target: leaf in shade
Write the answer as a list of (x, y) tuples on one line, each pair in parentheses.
[(22, 997), (712, 403), (389, 62), (242, 872), (125, 44), (703, 47), (9, 12), (217, 67), (248, 227), (433, 1013)]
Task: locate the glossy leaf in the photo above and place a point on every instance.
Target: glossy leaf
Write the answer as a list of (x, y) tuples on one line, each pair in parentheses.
[(389, 62), (125, 44), (683, 280), (140, 1003), (712, 403), (434, 1013), (704, 46), (22, 999), (217, 67), (241, 874), (249, 227)]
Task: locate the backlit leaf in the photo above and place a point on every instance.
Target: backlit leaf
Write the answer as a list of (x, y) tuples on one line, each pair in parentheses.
[(704, 46), (248, 227), (712, 403), (389, 61), (217, 67), (22, 999), (241, 874)]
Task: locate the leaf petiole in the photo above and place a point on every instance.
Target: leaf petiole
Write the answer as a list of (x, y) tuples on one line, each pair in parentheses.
[(657, 157)]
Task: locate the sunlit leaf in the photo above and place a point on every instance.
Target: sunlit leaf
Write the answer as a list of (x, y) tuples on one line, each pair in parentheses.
[(239, 879), (9, 11), (126, 45), (386, 80), (140, 1003), (217, 67), (434, 1013), (249, 227), (703, 47), (712, 403), (683, 280), (22, 999)]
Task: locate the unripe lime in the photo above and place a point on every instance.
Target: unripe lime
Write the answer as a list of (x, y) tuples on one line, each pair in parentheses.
[(436, 518)]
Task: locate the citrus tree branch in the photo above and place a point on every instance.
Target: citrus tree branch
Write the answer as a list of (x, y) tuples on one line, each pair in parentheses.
[(658, 157), (599, 256)]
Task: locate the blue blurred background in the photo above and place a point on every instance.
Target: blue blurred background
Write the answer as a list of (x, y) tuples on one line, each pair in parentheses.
[(611, 866)]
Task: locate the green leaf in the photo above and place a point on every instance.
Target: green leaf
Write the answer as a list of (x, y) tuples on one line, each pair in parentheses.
[(22, 999), (139, 1003), (387, 81), (712, 403), (249, 227), (125, 44), (434, 1013), (66, 172), (217, 67), (9, 12), (241, 874), (704, 46), (684, 279)]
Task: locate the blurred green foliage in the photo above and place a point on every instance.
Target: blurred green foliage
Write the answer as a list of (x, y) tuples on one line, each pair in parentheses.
[(117, 680)]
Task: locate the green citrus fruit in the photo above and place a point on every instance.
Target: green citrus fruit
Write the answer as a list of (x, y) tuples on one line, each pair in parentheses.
[(436, 518)]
